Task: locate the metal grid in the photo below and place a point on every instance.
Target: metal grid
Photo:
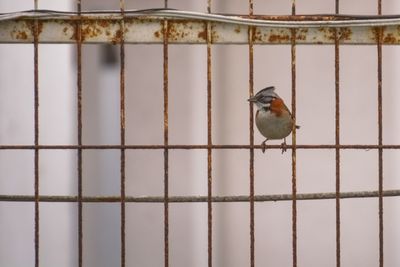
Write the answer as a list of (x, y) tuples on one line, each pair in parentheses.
[(379, 38)]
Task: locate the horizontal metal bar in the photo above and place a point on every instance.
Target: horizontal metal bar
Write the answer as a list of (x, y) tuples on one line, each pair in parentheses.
[(153, 147), (179, 199), (148, 29), (292, 21)]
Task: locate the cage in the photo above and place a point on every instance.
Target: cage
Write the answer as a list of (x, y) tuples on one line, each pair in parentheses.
[(127, 139)]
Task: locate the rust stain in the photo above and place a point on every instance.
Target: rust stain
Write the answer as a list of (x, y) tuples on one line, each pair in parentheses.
[(253, 31), (303, 30), (95, 28), (330, 34), (378, 32), (40, 27), (277, 38), (117, 37), (178, 30), (172, 32), (214, 35), (345, 33), (301, 34), (31, 25), (104, 23), (202, 34), (237, 29), (85, 32), (21, 35), (389, 39), (181, 30), (257, 36), (74, 36), (90, 29), (301, 37)]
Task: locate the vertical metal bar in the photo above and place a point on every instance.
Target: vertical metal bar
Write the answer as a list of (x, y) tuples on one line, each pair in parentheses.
[(251, 138), (380, 130), (122, 129), (337, 137), (165, 91), (294, 186), (79, 120), (209, 139), (36, 131)]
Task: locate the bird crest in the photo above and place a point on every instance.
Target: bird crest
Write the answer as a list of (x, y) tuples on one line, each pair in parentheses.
[(264, 97)]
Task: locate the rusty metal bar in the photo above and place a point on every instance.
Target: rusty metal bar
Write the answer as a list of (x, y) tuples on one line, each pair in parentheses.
[(337, 149), (166, 33), (337, 138), (380, 135), (294, 174), (35, 32), (186, 147), (283, 21), (78, 34), (150, 30), (122, 131), (209, 138), (251, 136), (200, 199)]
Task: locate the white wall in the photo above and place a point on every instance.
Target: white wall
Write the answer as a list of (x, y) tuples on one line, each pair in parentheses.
[(57, 168)]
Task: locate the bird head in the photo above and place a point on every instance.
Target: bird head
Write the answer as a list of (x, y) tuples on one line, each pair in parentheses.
[(264, 97)]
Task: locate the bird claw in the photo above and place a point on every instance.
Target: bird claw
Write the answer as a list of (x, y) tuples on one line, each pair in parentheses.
[(284, 147), (263, 147)]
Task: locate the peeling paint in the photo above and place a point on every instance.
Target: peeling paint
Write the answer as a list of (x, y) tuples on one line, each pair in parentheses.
[(150, 30)]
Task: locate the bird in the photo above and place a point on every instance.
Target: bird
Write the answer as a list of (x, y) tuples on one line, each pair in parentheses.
[(273, 118)]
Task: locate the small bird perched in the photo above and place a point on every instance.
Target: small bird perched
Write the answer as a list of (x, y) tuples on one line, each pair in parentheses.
[(273, 118)]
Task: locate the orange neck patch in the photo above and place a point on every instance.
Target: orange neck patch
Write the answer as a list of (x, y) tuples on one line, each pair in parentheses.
[(277, 106)]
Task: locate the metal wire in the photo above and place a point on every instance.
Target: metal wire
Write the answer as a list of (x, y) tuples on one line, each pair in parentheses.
[(78, 34), (251, 138), (122, 131), (36, 131), (337, 138), (166, 154), (209, 139), (293, 22), (202, 199), (322, 20), (187, 147), (379, 33), (294, 174)]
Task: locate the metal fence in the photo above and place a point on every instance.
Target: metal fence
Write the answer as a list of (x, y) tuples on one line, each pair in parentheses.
[(171, 26)]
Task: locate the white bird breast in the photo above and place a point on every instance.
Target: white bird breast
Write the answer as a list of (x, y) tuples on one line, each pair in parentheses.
[(272, 126)]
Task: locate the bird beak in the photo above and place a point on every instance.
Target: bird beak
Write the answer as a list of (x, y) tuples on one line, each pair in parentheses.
[(252, 99)]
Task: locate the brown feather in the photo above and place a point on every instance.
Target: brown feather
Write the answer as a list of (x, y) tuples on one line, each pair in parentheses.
[(277, 106)]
